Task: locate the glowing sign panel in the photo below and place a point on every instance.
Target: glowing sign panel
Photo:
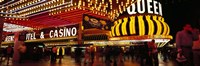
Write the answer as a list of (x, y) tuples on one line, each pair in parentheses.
[(151, 7)]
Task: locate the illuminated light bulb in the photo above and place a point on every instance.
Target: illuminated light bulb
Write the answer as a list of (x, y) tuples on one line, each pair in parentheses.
[(96, 1), (83, 3), (66, 6), (124, 8), (122, 3)]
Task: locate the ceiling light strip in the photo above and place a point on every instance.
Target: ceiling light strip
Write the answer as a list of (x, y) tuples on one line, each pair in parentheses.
[(7, 3), (48, 8), (19, 1), (30, 5), (44, 11)]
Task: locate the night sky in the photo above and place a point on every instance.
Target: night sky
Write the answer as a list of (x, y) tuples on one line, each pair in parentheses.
[(180, 12)]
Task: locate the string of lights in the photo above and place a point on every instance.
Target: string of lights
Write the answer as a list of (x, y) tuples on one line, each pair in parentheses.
[(25, 8)]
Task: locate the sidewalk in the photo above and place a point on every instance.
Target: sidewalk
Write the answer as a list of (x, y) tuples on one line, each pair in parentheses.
[(68, 61)]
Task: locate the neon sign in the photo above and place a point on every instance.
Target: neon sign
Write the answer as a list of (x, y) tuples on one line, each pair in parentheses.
[(151, 7)]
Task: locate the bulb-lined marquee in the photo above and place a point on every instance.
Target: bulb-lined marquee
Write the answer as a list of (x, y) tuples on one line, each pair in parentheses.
[(144, 18)]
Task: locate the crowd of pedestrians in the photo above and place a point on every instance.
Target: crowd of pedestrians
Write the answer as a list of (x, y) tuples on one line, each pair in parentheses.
[(146, 53), (7, 53)]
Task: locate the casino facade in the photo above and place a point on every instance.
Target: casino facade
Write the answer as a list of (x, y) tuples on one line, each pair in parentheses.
[(82, 22)]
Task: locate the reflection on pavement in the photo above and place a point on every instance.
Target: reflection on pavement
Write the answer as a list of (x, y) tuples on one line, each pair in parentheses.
[(68, 61)]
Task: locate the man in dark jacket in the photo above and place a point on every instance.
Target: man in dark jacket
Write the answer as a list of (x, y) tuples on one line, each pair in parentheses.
[(184, 42)]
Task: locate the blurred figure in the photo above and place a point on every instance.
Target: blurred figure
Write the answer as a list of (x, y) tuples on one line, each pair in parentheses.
[(78, 53), (53, 54), (196, 51), (9, 53), (184, 41), (47, 53), (116, 53), (92, 53), (1, 54), (121, 53), (36, 53), (131, 49), (101, 54), (60, 53), (164, 53), (22, 52), (86, 55), (144, 55), (3, 51), (181, 58), (126, 53), (153, 53), (107, 52), (98, 54), (137, 52)]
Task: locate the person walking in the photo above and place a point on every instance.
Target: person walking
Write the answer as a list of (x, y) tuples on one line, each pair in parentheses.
[(60, 53), (196, 51), (184, 42), (22, 52), (153, 53), (86, 56), (53, 54), (9, 52), (165, 52), (108, 53), (47, 53), (144, 55), (92, 54), (132, 54), (1, 54), (78, 54)]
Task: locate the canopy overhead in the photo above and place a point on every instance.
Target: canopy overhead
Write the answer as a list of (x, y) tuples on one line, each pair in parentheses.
[(39, 14)]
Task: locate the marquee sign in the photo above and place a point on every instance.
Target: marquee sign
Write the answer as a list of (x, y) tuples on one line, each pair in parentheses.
[(145, 6), (143, 17), (9, 38), (53, 32)]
